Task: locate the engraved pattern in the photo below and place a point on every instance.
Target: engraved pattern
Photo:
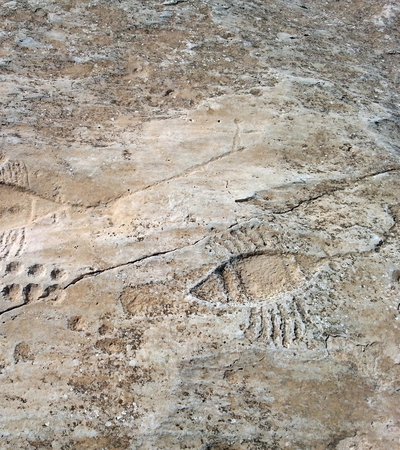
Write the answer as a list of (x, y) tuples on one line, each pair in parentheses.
[(284, 324)]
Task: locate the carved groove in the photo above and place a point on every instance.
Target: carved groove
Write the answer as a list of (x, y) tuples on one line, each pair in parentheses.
[(249, 279), (245, 239), (12, 243), (14, 173), (278, 326), (31, 284)]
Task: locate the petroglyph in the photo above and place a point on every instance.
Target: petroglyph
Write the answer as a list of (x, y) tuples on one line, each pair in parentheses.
[(149, 300), (25, 285), (14, 173), (36, 270), (12, 243), (245, 239), (247, 280), (283, 324), (12, 292), (199, 224)]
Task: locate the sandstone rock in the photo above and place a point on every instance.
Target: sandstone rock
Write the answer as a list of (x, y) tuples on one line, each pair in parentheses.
[(199, 225)]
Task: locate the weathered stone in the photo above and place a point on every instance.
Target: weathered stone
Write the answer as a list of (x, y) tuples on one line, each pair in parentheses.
[(199, 239)]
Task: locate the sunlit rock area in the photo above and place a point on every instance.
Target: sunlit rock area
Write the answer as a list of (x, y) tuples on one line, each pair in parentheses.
[(199, 224)]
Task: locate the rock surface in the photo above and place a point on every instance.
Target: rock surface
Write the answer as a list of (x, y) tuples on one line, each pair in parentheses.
[(199, 224)]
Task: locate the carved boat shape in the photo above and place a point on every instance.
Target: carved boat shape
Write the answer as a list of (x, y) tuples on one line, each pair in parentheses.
[(247, 280)]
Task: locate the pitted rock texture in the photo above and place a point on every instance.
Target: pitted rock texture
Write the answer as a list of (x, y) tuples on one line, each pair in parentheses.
[(199, 224)]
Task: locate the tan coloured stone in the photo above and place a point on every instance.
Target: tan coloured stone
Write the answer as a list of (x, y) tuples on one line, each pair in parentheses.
[(199, 241)]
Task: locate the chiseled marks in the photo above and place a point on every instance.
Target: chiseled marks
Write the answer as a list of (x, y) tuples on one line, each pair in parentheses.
[(264, 286), (21, 285), (250, 280), (11, 243), (150, 300), (283, 324), (14, 173), (245, 239)]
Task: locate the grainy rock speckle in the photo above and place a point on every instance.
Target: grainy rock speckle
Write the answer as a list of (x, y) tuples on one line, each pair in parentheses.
[(199, 224)]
